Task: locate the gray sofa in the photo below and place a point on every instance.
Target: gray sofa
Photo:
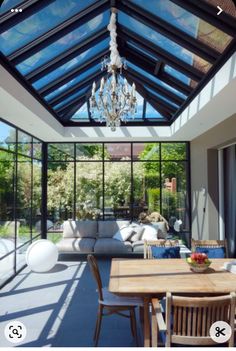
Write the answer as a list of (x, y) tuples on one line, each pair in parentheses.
[(97, 237)]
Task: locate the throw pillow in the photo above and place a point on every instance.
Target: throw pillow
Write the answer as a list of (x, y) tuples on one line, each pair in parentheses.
[(137, 233), (212, 252), (165, 252), (123, 234), (150, 233), (162, 232)]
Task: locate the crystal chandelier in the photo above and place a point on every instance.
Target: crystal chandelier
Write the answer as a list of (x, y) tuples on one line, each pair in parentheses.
[(116, 100)]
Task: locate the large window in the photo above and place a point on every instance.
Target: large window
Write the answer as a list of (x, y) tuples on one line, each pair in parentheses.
[(117, 180), (20, 197)]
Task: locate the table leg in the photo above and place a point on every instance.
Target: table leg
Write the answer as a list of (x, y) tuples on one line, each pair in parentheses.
[(146, 326)]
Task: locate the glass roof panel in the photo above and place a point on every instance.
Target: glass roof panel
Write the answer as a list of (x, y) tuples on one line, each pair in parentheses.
[(73, 82), (39, 23), (161, 97), (187, 22), (71, 97), (177, 74), (8, 5), (165, 43), (152, 113), (81, 114), (156, 80), (63, 44), (72, 64)]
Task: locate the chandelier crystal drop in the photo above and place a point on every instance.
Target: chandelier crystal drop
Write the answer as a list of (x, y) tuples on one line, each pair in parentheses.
[(116, 100)]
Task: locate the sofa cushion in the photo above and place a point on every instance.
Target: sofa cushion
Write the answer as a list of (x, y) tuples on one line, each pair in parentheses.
[(161, 229), (137, 234), (80, 229), (123, 234), (85, 245), (150, 233), (138, 246), (106, 229), (112, 246)]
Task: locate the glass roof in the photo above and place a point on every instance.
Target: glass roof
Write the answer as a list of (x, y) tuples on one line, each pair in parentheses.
[(171, 46)]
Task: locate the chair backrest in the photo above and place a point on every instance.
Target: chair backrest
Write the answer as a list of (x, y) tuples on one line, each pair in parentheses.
[(211, 244), (188, 319), (159, 243), (96, 274)]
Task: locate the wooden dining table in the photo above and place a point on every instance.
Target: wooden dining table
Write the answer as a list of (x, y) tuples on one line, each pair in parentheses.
[(149, 278)]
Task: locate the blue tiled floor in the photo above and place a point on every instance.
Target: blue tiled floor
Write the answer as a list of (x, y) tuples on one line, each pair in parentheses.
[(59, 308)]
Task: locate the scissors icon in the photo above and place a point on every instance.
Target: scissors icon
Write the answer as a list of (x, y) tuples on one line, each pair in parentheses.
[(219, 331)]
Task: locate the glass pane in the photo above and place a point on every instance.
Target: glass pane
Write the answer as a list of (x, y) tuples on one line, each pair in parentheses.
[(117, 190), (173, 151), (161, 97), (72, 64), (176, 74), (73, 82), (60, 152), (40, 22), (7, 137), (70, 98), (119, 151), (174, 192), (149, 151), (187, 22), (24, 144), (146, 178), (81, 114), (156, 80), (24, 194), (152, 113), (7, 263), (158, 39), (37, 198), (63, 44), (37, 149), (89, 151), (7, 171), (89, 190), (60, 193)]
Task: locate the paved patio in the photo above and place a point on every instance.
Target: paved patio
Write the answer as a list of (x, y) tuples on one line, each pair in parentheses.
[(59, 308)]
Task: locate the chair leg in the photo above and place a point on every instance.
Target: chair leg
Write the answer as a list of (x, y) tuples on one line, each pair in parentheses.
[(98, 325), (133, 325)]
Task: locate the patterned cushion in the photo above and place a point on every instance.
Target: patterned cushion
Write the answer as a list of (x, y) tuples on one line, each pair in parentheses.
[(212, 252), (165, 252)]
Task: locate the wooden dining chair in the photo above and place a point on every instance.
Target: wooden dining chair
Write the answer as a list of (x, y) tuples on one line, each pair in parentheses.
[(112, 304), (188, 319), (208, 247), (148, 244)]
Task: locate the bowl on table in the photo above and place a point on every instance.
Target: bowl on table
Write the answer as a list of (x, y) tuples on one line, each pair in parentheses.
[(198, 262)]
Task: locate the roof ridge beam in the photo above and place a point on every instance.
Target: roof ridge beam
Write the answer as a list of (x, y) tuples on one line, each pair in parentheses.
[(58, 32), (162, 54), (67, 56), (47, 89), (208, 13), (157, 24)]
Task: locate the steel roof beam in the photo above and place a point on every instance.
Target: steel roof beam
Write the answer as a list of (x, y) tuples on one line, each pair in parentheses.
[(208, 13), (155, 87), (71, 103), (160, 53), (29, 7), (89, 80), (47, 89), (68, 114), (157, 24), (58, 32), (67, 56)]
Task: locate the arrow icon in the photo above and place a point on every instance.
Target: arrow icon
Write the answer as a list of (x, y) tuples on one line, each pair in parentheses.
[(220, 10)]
